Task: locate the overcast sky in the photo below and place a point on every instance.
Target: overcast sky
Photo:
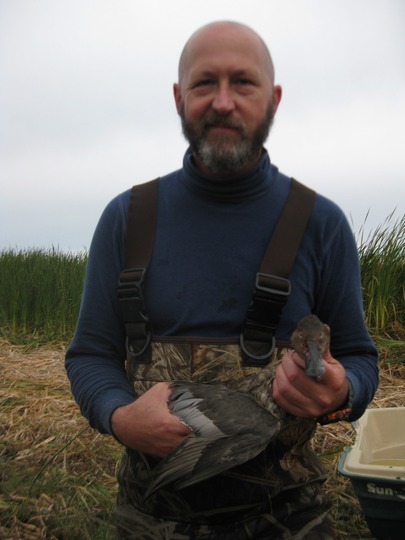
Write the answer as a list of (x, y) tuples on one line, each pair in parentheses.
[(86, 106)]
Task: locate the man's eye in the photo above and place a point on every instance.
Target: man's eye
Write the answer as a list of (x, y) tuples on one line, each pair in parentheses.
[(204, 82), (243, 82)]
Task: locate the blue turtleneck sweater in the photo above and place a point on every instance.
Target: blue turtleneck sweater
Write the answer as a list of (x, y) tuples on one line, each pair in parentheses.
[(211, 237)]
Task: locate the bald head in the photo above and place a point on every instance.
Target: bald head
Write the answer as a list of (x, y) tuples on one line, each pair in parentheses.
[(226, 97), (214, 34)]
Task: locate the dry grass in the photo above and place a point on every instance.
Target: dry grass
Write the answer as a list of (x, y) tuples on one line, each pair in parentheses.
[(58, 476)]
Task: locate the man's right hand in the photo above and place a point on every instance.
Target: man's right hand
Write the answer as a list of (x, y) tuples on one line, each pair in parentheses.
[(147, 425)]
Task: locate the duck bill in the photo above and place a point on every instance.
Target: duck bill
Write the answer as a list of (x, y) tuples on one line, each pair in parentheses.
[(313, 362)]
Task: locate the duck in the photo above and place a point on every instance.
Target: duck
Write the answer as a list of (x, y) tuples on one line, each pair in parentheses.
[(232, 423)]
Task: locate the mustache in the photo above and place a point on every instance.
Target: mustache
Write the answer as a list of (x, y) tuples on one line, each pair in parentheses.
[(218, 120)]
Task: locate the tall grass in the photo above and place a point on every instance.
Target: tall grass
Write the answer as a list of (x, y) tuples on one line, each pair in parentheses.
[(382, 259), (40, 290), (40, 293)]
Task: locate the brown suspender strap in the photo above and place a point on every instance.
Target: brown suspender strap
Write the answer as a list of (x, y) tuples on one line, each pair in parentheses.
[(272, 284), (141, 226), (286, 239)]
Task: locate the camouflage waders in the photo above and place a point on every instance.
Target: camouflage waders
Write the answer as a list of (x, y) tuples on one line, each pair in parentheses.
[(278, 495)]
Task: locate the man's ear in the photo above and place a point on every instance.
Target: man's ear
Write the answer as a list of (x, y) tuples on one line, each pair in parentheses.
[(276, 96), (177, 96)]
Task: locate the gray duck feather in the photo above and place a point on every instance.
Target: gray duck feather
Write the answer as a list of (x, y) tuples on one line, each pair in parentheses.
[(231, 424)]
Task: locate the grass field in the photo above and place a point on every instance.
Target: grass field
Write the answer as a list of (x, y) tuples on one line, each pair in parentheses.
[(57, 476)]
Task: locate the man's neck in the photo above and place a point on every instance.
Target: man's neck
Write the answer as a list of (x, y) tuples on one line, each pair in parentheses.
[(229, 176)]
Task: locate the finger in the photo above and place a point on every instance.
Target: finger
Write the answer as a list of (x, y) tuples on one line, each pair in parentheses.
[(294, 367), (291, 401), (329, 358), (298, 361), (293, 388), (287, 390)]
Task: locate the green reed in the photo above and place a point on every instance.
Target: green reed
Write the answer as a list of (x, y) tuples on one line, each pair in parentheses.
[(382, 260), (40, 293), (40, 290)]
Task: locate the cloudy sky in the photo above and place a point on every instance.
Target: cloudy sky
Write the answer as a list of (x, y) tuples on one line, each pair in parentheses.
[(86, 107)]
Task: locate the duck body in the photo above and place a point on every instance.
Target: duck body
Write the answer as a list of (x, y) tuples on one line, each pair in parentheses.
[(228, 429), (231, 424)]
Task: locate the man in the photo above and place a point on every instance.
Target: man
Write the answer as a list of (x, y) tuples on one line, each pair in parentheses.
[(214, 220)]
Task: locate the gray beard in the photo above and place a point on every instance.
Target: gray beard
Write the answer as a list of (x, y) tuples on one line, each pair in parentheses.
[(217, 154)]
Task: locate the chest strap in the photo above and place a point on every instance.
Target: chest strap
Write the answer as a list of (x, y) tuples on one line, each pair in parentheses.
[(141, 224), (272, 286)]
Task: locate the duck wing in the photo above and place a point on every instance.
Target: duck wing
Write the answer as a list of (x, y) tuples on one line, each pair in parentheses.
[(229, 428)]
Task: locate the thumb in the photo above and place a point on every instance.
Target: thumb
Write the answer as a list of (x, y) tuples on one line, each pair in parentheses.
[(329, 358)]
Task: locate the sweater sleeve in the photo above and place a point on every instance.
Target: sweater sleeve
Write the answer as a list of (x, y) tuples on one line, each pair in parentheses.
[(339, 303), (95, 359)]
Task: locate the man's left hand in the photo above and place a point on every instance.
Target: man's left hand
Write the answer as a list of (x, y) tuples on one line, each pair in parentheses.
[(303, 396)]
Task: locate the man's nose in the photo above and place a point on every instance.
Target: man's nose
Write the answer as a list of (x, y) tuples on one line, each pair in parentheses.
[(223, 101)]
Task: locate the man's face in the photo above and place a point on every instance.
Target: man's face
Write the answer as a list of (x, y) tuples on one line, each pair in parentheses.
[(226, 102)]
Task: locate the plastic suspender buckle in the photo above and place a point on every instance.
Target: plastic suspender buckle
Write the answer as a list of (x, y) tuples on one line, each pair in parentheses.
[(257, 340), (133, 309)]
